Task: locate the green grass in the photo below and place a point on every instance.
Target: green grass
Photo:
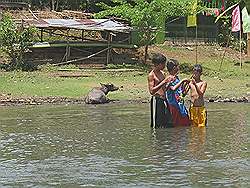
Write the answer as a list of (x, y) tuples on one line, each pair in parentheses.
[(24, 84), (229, 81), (211, 58), (228, 87), (133, 84), (227, 70)]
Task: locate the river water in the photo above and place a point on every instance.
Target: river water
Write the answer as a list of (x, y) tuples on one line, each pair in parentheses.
[(113, 146)]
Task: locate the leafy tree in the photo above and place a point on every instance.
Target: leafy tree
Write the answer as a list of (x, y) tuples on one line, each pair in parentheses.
[(14, 42), (139, 11), (226, 37), (144, 15), (89, 5)]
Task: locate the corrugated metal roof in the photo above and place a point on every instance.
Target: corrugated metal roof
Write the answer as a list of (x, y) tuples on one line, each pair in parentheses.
[(81, 24)]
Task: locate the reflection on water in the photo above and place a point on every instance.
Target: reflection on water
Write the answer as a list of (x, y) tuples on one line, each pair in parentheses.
[(197, 141), (114, 146)]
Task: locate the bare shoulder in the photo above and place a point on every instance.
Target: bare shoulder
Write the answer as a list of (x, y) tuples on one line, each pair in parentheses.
[(151, 74), (204, 83)]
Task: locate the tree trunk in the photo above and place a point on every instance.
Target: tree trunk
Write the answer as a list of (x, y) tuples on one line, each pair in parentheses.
[(53, 5), (57, 5), (146, 54), (13, 63)]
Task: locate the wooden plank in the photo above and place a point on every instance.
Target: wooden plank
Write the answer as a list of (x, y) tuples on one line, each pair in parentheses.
[(108, 51), (50, 45)]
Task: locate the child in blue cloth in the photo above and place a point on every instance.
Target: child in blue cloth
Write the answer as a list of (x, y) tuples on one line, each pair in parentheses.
[(174, 95)]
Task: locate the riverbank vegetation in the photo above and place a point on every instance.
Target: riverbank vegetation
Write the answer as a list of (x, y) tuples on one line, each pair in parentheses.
[(225, 77), (229, 81)]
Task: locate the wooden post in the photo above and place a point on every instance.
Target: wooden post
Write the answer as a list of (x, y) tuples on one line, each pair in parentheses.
[(67, 47), (240, 49), (108, 51), (1, 13), (185, 31), (53, 5), (248, 45), (41, 38), (82, 35)]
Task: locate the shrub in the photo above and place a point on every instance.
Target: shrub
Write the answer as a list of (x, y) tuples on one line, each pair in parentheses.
[(14, 42)]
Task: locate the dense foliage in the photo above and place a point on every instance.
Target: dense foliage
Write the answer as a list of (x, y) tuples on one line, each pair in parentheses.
[(14, 41), (143, 15), (87, 5), (92, 5), (226, 37), (146, 16)]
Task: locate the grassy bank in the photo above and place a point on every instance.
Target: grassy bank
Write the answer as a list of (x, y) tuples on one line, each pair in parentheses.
[(227, 82), (132, 83)]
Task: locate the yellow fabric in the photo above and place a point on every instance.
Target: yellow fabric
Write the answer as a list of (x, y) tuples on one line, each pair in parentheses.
[(198, 116), (191, 21), (192, 18)]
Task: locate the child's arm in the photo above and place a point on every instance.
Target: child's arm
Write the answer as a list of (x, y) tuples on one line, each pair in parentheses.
[(201, 90), (186, 89), (178, 85), (153, 89)]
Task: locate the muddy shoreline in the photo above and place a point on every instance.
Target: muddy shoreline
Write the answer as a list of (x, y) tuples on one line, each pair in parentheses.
[(12, 101)]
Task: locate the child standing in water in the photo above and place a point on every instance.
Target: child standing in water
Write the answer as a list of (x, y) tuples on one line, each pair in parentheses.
[(157, 81), (174, 96), (198, 115)]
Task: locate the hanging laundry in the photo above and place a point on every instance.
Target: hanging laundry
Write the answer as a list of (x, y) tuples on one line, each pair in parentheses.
[(245, 20), (192, 18), (236, 22), (215, 7)]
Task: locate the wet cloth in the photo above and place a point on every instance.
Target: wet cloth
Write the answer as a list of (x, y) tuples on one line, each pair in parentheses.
[(176, 105), (160, 114), (198, 116)]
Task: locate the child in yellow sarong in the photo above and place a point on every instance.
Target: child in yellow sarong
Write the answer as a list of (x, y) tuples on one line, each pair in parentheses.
[(197, 111)]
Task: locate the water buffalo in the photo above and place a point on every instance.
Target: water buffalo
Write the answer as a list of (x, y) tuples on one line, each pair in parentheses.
[(98, 94)]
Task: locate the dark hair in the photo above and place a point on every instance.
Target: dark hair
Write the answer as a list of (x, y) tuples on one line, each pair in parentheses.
[(198, 67), (171, 64), (158, 58)]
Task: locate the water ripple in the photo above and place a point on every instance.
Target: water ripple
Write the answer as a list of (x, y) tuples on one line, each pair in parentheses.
[(113, 146)]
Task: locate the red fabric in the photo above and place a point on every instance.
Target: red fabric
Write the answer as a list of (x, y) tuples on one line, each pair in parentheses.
[(236, 23), (223, 5), (178, 119), (217, 12)]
